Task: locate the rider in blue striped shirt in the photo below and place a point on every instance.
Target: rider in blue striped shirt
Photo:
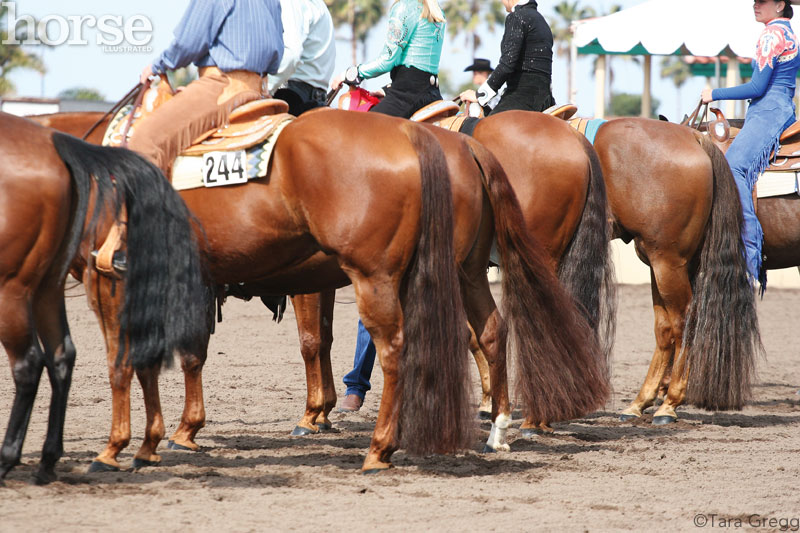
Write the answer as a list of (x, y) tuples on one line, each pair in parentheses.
[(234, 43)]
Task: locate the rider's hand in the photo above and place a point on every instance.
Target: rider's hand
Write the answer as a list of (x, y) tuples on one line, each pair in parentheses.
[(147, 72), (378, 93), (337, 81), (468, 96), (705, 96)]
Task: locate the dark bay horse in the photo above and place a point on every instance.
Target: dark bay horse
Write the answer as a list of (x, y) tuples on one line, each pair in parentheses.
[(671, 191), (61, 196), (299, 231)]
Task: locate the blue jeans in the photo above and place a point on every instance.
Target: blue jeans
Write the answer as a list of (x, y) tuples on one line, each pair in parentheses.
[(357, 380), (748, 156)]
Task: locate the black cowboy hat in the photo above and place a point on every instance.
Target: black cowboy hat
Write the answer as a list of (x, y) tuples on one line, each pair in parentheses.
[(482, 65)]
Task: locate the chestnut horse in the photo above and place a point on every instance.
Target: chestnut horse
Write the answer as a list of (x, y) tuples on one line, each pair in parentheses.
[(671, 191), (556, 176), (50, 182), (298, 231)]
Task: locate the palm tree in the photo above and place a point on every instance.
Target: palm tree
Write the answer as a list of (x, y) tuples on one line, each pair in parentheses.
[(568, 12), (466, 16), (14, 56), (360, 15), (676, 69)]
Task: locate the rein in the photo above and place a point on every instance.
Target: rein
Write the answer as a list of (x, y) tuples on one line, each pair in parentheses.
[(692, 120), (143, 87), (116, 107)]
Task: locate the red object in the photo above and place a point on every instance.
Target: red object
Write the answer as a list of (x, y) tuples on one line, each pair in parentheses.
[(361, 100)]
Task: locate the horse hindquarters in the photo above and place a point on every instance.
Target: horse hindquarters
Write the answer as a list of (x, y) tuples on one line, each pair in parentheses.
[(562, 374)]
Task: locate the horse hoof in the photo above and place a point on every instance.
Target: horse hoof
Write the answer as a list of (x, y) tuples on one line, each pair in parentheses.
[(664, 420), (488, 449), (141, 463), (372, 471), (529, 433), (627, 418), (484, 415), (43, 477), (324, 426), (98, 466), (300, 431), (172, 445)]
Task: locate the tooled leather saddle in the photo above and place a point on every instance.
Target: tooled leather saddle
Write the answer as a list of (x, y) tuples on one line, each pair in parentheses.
[(252, 128), (782, 176), (446, 114)]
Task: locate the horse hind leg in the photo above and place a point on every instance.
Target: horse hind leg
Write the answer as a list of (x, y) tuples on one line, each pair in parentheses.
[(27, 361), (485, 407), (106, 307), (379, 307), (677, 300), (51, 318), (489, 335), (314, 314), (154, 426), (662, 356), (193, 418)]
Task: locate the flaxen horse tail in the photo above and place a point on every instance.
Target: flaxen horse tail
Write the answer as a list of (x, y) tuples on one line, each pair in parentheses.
[(721, 331), (561, 373), (434, 383), (166, 301), (586, 270)]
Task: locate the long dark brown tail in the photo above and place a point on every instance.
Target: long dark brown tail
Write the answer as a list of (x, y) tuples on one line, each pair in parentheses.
[(586, 269), (721, 330), (166, 302), (561, 373), (434, 373)]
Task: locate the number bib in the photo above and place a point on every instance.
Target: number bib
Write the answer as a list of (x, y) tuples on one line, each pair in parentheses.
[(224, 168)]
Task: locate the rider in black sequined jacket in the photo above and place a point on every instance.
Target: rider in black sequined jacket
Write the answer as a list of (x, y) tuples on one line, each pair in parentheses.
[(526, 62)]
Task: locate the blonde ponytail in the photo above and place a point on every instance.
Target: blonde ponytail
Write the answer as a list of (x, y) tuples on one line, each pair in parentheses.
[(432, 11)]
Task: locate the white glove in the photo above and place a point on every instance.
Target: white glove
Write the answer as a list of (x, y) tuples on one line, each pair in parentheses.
[(485, 94)]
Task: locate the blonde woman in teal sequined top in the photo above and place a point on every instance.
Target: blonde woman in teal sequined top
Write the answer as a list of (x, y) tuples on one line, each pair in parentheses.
[(410, 54)]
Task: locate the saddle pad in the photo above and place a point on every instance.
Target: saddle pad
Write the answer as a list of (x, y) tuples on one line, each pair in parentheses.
[(187, 171), (588, 127), (778, 184)]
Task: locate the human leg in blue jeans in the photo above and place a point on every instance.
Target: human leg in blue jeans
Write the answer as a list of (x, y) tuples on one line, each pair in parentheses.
[(357, 380), (748, 156)]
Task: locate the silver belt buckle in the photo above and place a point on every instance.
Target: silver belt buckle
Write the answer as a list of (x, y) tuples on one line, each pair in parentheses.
[(434, 81)]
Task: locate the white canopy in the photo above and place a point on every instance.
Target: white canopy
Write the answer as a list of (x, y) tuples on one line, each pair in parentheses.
[(664, 27), (703, 27)]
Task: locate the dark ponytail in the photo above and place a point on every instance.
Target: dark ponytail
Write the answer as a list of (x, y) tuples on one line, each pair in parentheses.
[(788, 12)]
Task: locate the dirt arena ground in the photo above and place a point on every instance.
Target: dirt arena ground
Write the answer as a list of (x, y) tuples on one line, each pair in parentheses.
[(730, 471)]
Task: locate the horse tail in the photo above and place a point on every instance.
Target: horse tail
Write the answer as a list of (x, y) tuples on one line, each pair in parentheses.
[(434, 380), (165, 304), (586, 269), (721, 332), (561, 373)]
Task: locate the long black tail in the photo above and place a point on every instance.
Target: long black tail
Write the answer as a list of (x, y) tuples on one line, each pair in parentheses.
[(434, 370), (166, 301), (721, 331), (586, 270)]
